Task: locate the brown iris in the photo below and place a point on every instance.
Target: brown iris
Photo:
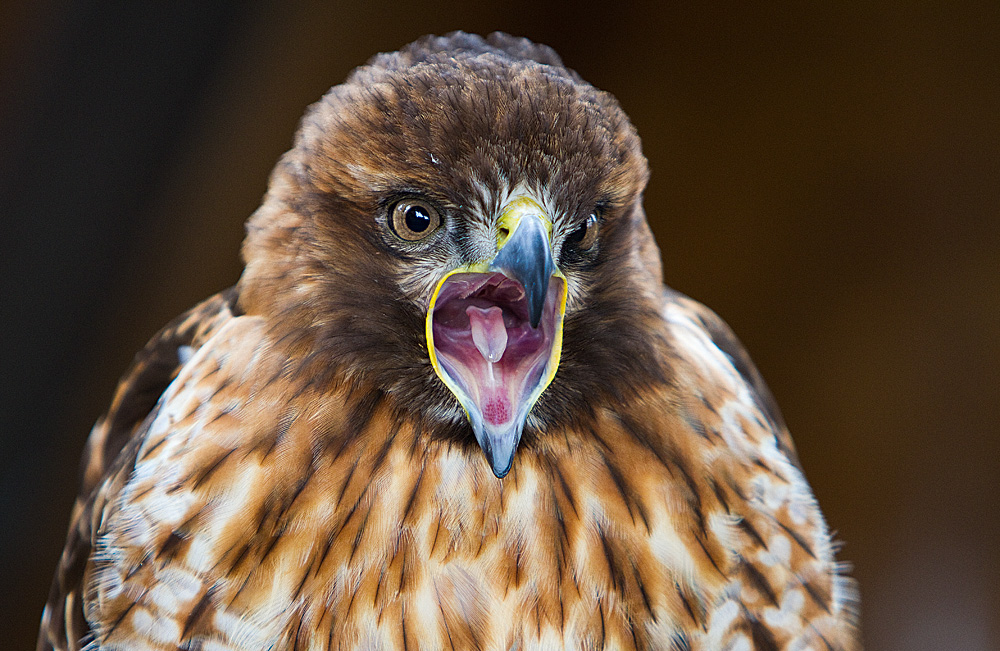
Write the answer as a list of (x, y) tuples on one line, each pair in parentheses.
[(584, 237), (412, 219)]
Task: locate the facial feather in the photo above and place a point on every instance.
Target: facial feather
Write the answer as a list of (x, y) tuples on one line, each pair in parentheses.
[(464, 130)]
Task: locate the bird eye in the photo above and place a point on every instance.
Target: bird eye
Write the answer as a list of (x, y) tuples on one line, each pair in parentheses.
[(585, 236), (413, 220)]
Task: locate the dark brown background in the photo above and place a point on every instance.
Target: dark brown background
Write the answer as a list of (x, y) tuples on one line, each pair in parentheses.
[(827, 178)]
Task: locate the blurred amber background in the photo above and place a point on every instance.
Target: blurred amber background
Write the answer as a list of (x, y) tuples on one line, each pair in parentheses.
[(825, 176)]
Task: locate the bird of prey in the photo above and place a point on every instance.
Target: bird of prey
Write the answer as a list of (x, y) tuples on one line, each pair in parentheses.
[(450, 404)]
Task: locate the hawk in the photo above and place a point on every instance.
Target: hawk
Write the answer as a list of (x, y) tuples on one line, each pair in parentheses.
[(450, 404)]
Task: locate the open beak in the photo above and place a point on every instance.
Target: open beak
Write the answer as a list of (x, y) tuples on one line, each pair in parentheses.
[(494, 330)]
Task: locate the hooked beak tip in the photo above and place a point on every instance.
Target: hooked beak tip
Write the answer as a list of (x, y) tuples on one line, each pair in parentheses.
[(536, 305)]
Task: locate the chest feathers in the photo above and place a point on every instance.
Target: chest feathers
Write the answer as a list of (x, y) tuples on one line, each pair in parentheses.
[(343, 526)]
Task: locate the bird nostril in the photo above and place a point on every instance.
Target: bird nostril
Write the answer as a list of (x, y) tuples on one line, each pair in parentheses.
[(503, 233)]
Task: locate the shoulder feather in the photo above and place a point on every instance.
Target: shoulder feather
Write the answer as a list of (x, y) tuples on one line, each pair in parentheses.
[(111, 448), (726, 341)]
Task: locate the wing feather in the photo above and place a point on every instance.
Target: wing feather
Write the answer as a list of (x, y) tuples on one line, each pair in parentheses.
[(726, 341), (110, 452), (782, 585)]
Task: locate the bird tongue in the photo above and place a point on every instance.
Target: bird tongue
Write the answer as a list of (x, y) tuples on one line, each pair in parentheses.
[(488, 331)]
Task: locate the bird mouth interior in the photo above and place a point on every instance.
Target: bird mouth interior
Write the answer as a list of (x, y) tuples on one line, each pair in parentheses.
[(482, 339)]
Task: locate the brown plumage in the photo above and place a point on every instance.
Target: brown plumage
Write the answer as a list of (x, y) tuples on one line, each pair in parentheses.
[(298, 462)]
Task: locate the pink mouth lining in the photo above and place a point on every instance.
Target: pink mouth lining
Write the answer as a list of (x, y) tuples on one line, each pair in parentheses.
[(485, 342)]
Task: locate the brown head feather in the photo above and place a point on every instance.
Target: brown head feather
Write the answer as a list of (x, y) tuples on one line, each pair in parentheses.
[(459, 120)]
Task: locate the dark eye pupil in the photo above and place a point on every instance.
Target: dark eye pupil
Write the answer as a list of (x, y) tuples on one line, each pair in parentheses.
[(417, 219), (577, 236)]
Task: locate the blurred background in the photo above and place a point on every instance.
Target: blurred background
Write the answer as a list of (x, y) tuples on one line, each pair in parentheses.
[(826, 176)]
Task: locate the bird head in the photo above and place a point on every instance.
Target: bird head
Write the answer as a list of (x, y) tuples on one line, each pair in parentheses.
[(459, 227)]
